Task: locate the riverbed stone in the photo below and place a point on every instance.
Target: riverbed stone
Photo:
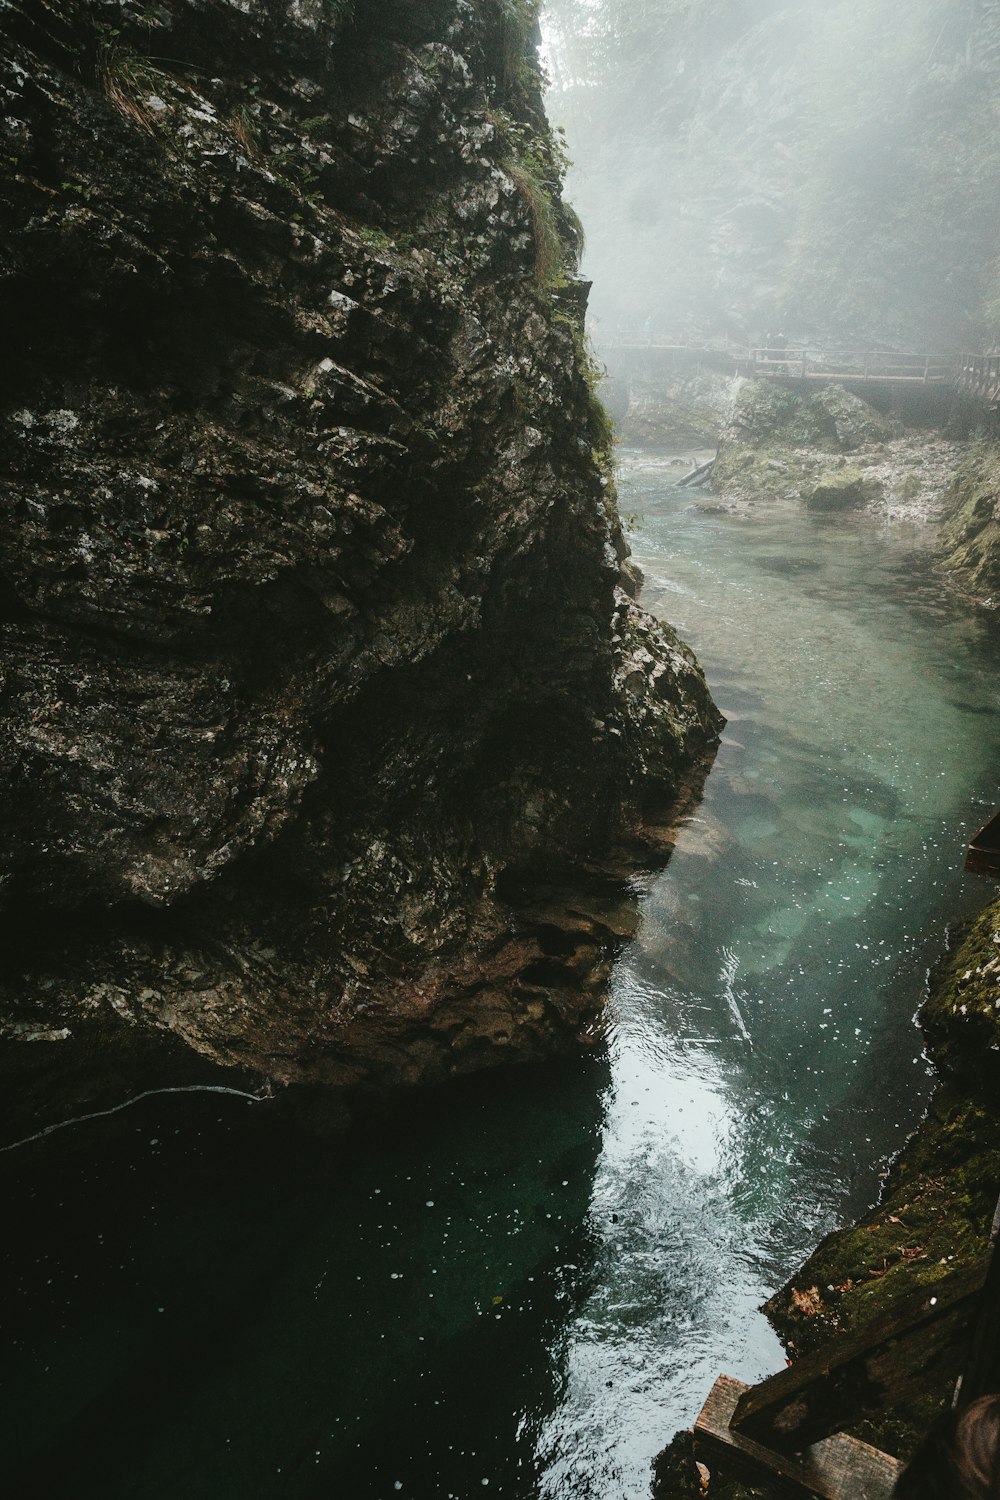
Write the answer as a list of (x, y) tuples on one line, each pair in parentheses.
[(779, 443), (840, 489)]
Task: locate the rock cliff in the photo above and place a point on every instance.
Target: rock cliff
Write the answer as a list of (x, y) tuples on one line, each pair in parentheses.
[(971, 535), (325, 693)]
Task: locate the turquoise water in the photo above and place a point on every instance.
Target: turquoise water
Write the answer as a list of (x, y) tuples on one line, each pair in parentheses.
[(525, 1286)]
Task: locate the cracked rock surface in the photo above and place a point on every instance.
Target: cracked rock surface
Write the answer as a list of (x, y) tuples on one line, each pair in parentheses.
[(325, 694)]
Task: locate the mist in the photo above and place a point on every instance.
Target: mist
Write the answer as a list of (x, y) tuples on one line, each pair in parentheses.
[(824, 168)]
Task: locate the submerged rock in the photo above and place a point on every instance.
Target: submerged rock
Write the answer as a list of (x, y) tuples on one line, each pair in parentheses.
[(325, 695)]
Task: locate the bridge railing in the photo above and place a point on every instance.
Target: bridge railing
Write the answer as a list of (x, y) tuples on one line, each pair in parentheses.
[(779, 361), (979, 377), (861, 365)]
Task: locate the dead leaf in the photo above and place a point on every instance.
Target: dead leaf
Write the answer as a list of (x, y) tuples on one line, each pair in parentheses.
[(807, 1303)]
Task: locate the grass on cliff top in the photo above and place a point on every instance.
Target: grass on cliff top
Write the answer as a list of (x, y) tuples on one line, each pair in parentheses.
[(550, 254)]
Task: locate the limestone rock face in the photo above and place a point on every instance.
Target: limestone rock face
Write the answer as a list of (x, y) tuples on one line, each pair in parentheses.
[(971, 534), (830, 418), (324, 692)]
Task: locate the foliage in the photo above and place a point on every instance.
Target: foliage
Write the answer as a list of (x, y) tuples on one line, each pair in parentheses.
[(244, 126), (518, 24), (971, 535), (536, 165), (545, 226)]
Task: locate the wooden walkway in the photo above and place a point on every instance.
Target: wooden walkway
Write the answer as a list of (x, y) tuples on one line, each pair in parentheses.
[(790, 1429), (864, 367), (983, 854), (834, 1468), (871, 367)]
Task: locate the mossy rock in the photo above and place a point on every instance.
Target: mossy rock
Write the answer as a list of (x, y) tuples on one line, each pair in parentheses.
[(849, 421), (934, 1219), (765, 413), (908, 487), (771, 474), (840, 489), (961, 1016)]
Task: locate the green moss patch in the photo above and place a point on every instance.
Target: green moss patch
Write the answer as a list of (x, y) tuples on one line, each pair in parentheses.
[(934, 1219), (961, 1017)]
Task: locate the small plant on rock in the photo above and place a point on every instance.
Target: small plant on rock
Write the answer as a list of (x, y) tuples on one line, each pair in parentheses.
[(124, 78)]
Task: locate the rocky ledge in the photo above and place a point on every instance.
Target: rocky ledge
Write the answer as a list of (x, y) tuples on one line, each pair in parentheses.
[(832, 451), (971, 534), (326, 698)]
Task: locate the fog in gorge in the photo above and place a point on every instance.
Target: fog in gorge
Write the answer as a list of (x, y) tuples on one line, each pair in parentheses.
[(824, 167)]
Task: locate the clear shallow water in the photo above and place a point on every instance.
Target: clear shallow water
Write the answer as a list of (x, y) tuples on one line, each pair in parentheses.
[(528, 1287)]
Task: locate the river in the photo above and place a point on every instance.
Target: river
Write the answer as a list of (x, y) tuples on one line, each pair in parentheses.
[(526, 1286)]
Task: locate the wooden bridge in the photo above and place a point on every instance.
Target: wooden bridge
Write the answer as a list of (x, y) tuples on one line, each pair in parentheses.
[(865, 367), (976, 376)]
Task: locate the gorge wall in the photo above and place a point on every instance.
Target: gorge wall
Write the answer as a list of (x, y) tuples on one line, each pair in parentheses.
[(971, 535), (325, 694)]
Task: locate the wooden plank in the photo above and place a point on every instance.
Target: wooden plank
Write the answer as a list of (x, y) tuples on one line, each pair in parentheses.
[(838, 1468), (927, 1335)]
